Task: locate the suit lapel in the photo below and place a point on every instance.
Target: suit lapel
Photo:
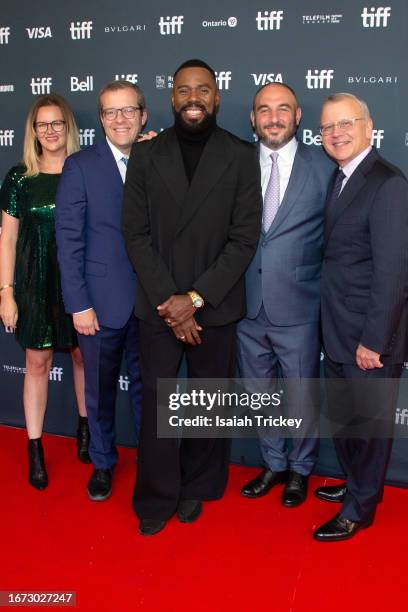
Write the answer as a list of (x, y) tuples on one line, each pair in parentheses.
[(109, 166), (355, 183), (169, 164), (295, 186), (214, 160)]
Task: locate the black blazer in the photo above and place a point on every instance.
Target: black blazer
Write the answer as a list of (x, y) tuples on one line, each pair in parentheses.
[(365, 267), (200, 236)]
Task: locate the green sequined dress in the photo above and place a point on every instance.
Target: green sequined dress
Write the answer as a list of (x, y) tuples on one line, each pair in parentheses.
[(42, 322)]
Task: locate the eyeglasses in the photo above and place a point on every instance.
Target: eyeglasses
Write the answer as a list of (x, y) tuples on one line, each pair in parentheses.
[(342, 126), (56, 126), (128, 112)]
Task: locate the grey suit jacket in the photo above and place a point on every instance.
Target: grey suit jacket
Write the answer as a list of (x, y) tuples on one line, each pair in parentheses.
[(285, 272)]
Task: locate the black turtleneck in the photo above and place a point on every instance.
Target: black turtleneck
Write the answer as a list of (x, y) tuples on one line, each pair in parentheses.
[(192, 144)]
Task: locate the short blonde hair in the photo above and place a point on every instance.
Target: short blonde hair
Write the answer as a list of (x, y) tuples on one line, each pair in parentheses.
[(32, 147)]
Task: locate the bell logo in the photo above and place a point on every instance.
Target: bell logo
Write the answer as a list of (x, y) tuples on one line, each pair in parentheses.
[(4, 35), (376, 138), (268, 20), (263, 79), (171, 25), (223, 79), (319, 79), (376, 17), (86, 137), (85, 85), (310, 139), (6, 138), (80, 30), (132, 78), (41, 85)]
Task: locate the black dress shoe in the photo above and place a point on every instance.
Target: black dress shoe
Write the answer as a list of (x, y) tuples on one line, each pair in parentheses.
[(188, 510), (100, 485), (37, 474), (83, 439), (339, 528), (263, 483), (333, 493), (295, 490), (149, 527)]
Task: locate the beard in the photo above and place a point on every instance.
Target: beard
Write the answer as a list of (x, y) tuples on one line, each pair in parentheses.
[(195, 126), (276, 142)]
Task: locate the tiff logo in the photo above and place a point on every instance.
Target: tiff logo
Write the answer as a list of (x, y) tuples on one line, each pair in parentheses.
[(171, 25), (80, 29), (376, 17), (86, 137), (4, 35), (123, 383), (9, 330), (319, 79), (41, 85), (6, 138), (132, 78), (56, 373), (85, 85), (223, 79), (376, 138), (268, 20)]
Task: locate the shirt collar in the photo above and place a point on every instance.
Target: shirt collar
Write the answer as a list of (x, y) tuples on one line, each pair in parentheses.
[(115, 151), (349, 168), (286, 153)]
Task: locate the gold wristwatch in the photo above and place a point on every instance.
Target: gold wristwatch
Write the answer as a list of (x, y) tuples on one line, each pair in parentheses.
[(196, 298)]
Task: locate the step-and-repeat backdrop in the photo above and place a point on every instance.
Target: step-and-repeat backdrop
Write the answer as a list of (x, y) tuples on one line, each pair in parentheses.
[(74, 48)]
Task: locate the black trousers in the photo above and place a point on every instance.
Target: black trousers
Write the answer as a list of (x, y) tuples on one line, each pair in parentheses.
[(168, 470), (362, 404)]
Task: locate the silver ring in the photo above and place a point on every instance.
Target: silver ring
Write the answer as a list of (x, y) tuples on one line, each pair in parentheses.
[(182, 337)]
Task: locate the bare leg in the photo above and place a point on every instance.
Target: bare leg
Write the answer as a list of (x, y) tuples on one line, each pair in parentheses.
[(38, 364), (79, 381)]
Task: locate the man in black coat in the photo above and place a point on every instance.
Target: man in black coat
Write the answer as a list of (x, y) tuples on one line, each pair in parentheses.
[(364, 310), (191, 221)]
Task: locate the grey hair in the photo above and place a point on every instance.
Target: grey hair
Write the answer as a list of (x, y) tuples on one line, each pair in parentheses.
[(339, 97)]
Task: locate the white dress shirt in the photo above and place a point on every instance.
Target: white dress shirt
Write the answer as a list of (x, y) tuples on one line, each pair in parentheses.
[(118, 155), (286, 157)]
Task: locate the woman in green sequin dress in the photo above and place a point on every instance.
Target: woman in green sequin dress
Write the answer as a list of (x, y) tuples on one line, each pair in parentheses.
[(31, 300)]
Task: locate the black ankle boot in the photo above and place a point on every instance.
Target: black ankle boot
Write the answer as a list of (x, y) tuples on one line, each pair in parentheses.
[(37, 474), (83, 438)]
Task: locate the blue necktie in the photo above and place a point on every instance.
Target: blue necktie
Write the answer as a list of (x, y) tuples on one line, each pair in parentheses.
[(125, 160), (336, 188)]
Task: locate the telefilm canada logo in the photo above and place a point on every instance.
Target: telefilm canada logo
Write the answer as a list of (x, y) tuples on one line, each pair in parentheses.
[(164, 81), (171, 25), (56, 373), (7, 88), (231, 22), (4, 35), (86, 137), (6, 138), (376, 17), (268, 20), (41, 85), (321, 19), (319, 79), (132, 78), (39, 32), (81, 30)]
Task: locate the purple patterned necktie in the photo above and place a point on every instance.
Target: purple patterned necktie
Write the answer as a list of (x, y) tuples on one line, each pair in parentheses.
[(271, 198)]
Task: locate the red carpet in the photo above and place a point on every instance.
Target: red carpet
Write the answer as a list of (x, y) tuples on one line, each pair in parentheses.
[(241, 555)]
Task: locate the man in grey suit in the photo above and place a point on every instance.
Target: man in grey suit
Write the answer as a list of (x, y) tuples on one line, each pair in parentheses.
[(280, 333)]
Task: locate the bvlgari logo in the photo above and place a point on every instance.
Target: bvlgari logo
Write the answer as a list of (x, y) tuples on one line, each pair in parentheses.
[(372, 79)]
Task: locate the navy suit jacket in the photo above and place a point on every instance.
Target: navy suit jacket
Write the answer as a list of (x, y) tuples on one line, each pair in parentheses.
[(365, 267), (95, 269), (285, 272)]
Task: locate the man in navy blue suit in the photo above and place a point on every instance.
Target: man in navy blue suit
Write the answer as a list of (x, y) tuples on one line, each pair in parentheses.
[(364, 310), (98, 281), (280, 332)]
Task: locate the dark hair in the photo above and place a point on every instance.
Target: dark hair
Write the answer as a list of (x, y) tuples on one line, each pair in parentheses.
[(121, 84), (292, 91), (195, 63)]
